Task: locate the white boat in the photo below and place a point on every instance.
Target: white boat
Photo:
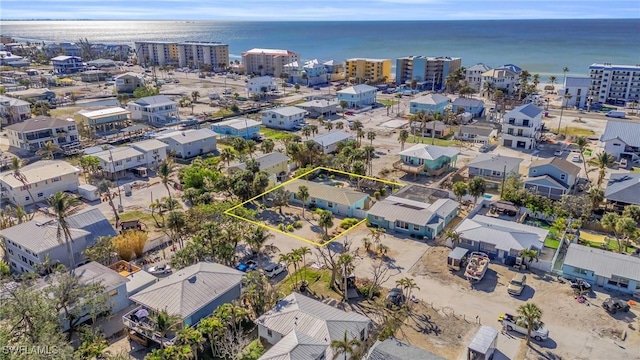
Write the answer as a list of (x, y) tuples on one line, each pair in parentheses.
[(477, 266)]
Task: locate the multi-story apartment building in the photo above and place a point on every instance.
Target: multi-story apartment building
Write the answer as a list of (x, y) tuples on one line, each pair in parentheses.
[(578, 88), (105, 121), (503, 79), (196, 54), (431, 72), (13, 111), (267, 61), (156, 110), (522, 127), (614, 84), (65, 64), (117, 161), (32, 134), (157, 53), (368, 69), (473, 75), (40, 180)]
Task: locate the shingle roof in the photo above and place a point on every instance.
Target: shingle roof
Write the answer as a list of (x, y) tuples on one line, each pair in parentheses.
[(156, 100), (332, 137), (475, 129), (505, 235), (623, 187), (296, 346), (358, 89), (602, 262), (545, 180), (267, 160), (287, 111), (429, 152), (187, 136), (240, 123), (95, 272), (627, 131), (394, 349), (118, 153), (414, 212), (39, 171), (495, 163), (529, 110), (13, 101), (148, 145), (190, 289), (559, 163), (467, 102), (313, 318), (39, 123), (430, 99), (326, 192)]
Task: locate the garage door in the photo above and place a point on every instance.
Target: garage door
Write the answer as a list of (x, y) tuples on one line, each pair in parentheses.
[(508, 143)]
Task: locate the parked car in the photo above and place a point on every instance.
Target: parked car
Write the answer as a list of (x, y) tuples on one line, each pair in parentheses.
[(517, 324), (273, 270), (575, 158), (396, 297), (613, 305), (580, 284), (624, 163), (558, 152), (247, 266), (160, 269), (517, 284), (484, 148)]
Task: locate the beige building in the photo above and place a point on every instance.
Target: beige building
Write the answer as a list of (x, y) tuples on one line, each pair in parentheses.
[(195, 54), (368, 69), (33, 134), (275, 164), (267, 61), (14, 110), (42, 178), (105, 120), (156, 53)]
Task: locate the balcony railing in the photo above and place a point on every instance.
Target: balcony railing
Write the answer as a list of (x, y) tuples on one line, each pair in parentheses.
[(146, 327), (417, 169)]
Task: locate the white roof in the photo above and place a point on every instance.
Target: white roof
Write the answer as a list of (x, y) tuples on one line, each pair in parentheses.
[(156, 100), (148, 145), (429, 152), (431, 99), (119, 153), (39, 171), (13, 101), (358, 89), (333, 137), (241, 123), (187, 136), (294, 346), (602, 262), (624, 130), (415, 212), (505, 235), (287, 111), (104, 112), (268, 51), (484, 339), (496, 163)]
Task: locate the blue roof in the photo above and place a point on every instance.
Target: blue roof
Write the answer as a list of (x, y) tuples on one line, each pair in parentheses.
[(530, 110), (511, 67)]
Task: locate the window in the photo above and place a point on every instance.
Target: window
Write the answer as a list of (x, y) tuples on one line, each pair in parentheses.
[(619, 281), (362, 333), (113, 292), (56, 179), (330, 204), (40, 194), (466, 241), (563, 176), (488, 247), (402, 225), (128, 159), (269, 333), (24, 259), (416, 227), (580, 271), (10, 251)]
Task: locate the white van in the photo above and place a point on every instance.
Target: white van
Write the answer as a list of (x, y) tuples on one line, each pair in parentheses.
[(616, 114)]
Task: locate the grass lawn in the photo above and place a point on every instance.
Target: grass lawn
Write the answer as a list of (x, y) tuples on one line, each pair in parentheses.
[(387, 102), (611, 246), (428, 141), (318, 282), (142, 216), (576, 131), (551, 243), (221, 112), (275, 134)]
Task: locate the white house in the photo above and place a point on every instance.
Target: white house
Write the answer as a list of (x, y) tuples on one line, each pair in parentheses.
[(299, 325), (147, 154), (32, 134), (261, 85), (358, 96), (330, 140), (476, 133), (287, 118), (578, 88), (621, 138), (43, 178), (473, 75), (522, 127), (14, 110), (156, 110), (503, 79), (189, 143)]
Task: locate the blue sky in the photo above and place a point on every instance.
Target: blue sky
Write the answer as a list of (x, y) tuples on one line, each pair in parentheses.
[(265, 10)]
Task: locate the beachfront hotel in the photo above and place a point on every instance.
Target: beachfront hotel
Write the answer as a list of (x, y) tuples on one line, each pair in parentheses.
[(368, 69), (614, 84), (191, 54), (430, 72), (267, 61)]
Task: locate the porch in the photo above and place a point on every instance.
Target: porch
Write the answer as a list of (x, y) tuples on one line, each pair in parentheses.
[(420, 169), (139, 320)]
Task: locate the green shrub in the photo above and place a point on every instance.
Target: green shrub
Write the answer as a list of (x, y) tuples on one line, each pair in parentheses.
[(290, 228), (367, 222), (366, 286), (318, 211), (281, 227), (348, 223), (253, 351), (383, 191), (332, 177), (377, 195), (297, 224)]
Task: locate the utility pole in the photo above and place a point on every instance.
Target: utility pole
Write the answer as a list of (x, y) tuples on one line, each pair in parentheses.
[(504, 178), (115, 174)]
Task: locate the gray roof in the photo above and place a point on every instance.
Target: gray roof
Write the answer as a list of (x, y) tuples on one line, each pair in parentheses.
[(602, 262), (505, 235), (429, 152), (326, 192), (479, 67), (313, 318), (148, 145), (320, 103), (38, 236), (358, 89), (559, 163), (187, 136), (332, 137), (287, 111), (267, 160), (296, 346), (438, 125), (496, 163), (484, 339), (411, 211), (39, 123), (458, 253), (623, 187), (545, 180), (574, 81), (93, 222), (239, 123), (431, 99), (421, 193), (468, 102), (156, 100), (529, 110), (394, 349), (627, 131), (476, 130), (95, 272), (190, 289), (13, 101)]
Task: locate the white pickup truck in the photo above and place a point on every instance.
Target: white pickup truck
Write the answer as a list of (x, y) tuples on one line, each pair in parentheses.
[(514, 323)]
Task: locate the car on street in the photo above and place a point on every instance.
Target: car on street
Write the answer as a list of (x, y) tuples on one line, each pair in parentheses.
[(484, 148), (159, 270), (558, 152), (517, 324), (575, 158), (580, 284), (247, 266), (624, 163), (273, 270), (517, 284), (613, 305)]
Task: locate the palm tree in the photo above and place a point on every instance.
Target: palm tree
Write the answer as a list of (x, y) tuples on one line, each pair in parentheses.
[(620, 226), (104, 188), (339, 125), (343, 106), (164, 323), (303, 195), (596, 196), (165, 170), (459, 190), (326, 221), (581, 144), (62, 205), (346, 264), (304, 251), (454, 236), (195, 95), (227, 155), (531, 316), (565, 70), (371, 135), (403, 136), (192, 338), (328, 125), (565, 99), (48, 150), (360, 135), (407, 284), (267, 146), (477, 187), (530, 255), (16, 165), (602, 161), (346, 347), (252, 146), (553, 79)]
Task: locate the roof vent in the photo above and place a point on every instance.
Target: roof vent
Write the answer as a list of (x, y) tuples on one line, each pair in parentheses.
[(192, 279)]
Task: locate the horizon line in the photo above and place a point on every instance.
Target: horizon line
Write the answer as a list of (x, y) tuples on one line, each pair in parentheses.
[(315, 20)]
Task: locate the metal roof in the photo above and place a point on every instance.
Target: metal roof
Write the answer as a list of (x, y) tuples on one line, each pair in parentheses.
[(528, 110), (287, 111), (429, 152), (40, 123), (327, 192), (332, 137), (13, 101), (627, 131), (545, 180), (574, 81), (187, 136), (296, 346), (266, 161), (484, 339), (468, 102), (602, 262), (95, 272), (505, 235), (39, 171), (94, 222), (117, 154), (313, 318), (431, 99), (38, 236), (148, 145), (415, 212), (358, 89), (623, 187), (394, 349), (458, 253), (156, 100), (479, 67), (496, 163), (558, 163), (190, 289), (239, 123), (476, 130)]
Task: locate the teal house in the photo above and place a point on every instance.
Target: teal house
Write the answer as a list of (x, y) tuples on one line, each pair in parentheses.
[(345, 202), (413, 217), (434, 103), (431, 160), (603, 268), (243, 127)]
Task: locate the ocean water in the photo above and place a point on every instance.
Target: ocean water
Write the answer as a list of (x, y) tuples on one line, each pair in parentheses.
[(540, 46)]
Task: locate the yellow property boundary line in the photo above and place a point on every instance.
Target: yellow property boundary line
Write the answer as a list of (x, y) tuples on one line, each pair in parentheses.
[(319, 168)]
